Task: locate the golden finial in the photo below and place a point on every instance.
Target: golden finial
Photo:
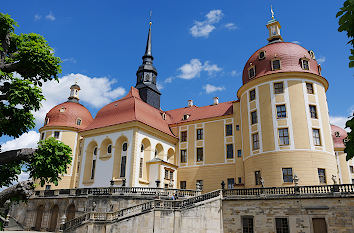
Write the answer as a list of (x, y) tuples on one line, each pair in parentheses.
[(271, 10), (150, 22)]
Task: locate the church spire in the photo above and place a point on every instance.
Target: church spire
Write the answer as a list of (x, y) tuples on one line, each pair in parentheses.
[(274, 29), (146, 76)]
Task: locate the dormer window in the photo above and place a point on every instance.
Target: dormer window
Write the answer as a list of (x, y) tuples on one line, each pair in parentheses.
[(337, 134), (62, 109), (305, 64), (163, 116), (276, 64), (46, 121), (312, 54), (186, 116), (319, 69), (261, 55), (252, 72), (78, 121)]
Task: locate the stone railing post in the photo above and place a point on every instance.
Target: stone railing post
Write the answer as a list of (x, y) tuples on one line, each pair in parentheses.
[(62, 222)]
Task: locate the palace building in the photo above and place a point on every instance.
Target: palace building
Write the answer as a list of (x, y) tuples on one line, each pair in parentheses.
[(268, 161), (275, 133)]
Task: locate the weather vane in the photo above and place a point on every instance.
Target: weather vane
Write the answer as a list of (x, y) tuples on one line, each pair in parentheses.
[(271, 10), (76, 78), (150, 17)]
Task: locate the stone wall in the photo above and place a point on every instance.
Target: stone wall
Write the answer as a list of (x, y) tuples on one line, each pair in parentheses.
[(338, 213)]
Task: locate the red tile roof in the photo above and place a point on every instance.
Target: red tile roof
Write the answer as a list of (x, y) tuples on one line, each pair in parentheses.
[(128, 109), (338, 135), (289, 55), (67, 113), (199, 113)]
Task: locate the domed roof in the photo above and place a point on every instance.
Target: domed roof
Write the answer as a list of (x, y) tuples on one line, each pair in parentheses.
[(338, 135), (67, 113), (289, 55), (128, 109)]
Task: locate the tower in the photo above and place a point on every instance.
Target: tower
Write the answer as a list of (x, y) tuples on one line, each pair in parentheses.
[(146, 77), (74, 93), (284, 115)]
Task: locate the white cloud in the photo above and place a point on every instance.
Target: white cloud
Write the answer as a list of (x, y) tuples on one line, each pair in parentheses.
[(69, 60), (204, 28), (159, 86), (235, 73), (230, 26), (321, 59), (26, 140), (338, 121), (95, 92), (50, 16), (210, 88), (168, 80), (211, 69), (191, 70), (37, 17), (195, 67), (296, 42)]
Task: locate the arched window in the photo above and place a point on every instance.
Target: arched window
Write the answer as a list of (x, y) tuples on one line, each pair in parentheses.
[(156, 152), (94, 163), (142, 148), (109, 149), (123, 162)]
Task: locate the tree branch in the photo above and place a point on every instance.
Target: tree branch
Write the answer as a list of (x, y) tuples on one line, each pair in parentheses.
[(16, 155), (21, 191), (12, 67)]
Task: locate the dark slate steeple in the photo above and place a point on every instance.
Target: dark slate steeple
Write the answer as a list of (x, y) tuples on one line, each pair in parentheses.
[(146, 77)]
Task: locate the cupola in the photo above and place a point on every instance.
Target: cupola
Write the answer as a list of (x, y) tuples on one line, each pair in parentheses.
[(74, 93), (274, 29)]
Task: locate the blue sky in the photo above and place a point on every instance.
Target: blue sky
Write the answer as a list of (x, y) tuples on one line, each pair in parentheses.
[(200, 47)]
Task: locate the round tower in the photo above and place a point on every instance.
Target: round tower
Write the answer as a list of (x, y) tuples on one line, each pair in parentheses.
[(284, 113), (64, 122)]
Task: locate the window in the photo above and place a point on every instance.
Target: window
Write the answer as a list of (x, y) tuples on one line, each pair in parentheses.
[(276, 64), (316, 137), (252, 95), (230, 183), (283, 136), (42, 136), (183, 136), (228, 130), (166, 174), (183, 184), (278, 88), (313, 111), (200, 184), (183, 156), (93, 168), (185, 117), (78, 121), (288, 175), (156, 152), (257, 176), (109, 149), (247, 224), (252, 72), (237, 127), (199, 134), (281, 111), (254, 117), (282, 225), (255, 141), (239, 153), (48, 187), (351, 169), (240, 180), (305, 64), (352, 181), (125, 146), (229, 151), (309, 87), (261, 55), (141, 168), (171, 175), (322, 175), (142, 148), (199, 154), (319, 225), (46, 121), (56, 134)]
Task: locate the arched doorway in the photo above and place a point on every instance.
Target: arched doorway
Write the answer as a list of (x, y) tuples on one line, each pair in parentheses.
[(54, 218), (70, 212), (39, 216)]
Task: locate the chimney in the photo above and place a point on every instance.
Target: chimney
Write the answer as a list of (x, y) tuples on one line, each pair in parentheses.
[(216, 100), (190, 103)]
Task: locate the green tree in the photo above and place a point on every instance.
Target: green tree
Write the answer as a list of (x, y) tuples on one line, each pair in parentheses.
[(26, 60), (349, 145), (346, 23)]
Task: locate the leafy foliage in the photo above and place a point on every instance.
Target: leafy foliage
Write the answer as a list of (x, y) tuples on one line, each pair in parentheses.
[(346, 23), (26, 60), (349, 145), (9, 173), (50, 161)]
